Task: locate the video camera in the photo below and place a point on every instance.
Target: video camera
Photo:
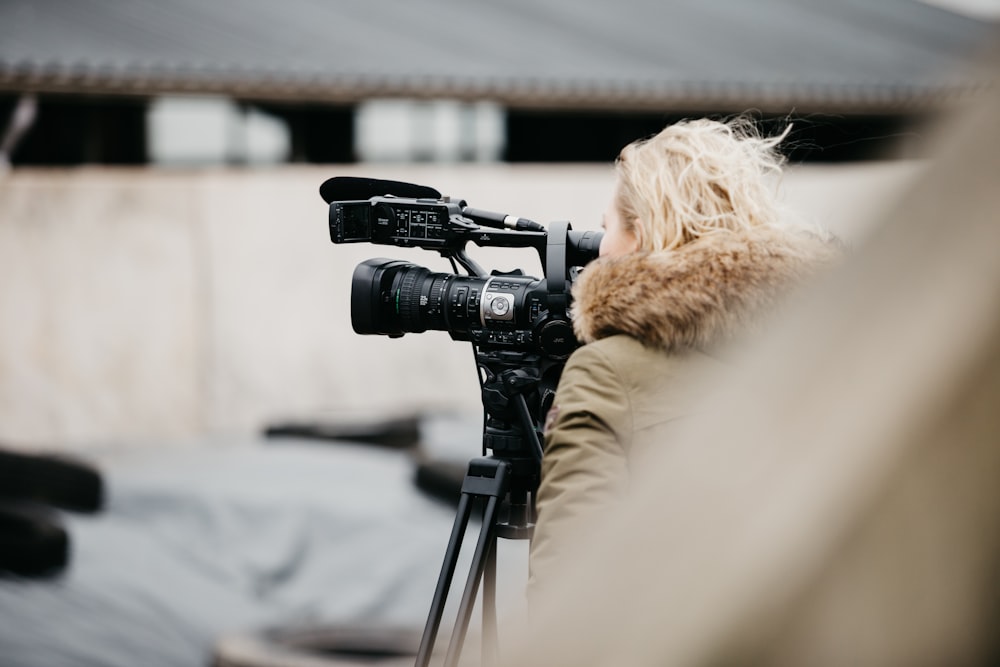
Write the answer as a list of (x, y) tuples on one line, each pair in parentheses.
[(520, 331), (519, 325), (503, 311)]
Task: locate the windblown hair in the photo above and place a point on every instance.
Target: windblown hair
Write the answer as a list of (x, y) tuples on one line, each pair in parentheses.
[(698, 177)]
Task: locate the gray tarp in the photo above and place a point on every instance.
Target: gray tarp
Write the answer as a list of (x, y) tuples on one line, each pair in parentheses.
[(220, 538)]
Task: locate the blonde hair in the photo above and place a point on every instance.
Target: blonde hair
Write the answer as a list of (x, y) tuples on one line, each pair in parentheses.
[(698, 177)]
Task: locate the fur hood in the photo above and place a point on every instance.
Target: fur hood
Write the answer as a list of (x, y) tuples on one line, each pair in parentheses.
[(700, 295)]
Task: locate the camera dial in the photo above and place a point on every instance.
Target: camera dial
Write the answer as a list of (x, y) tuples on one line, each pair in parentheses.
[(499, 306)]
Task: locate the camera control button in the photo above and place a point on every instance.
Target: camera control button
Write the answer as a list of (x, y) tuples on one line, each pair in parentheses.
[(500, 306)]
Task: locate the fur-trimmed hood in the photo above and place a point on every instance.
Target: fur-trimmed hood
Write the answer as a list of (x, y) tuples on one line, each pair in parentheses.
[(700, 295)]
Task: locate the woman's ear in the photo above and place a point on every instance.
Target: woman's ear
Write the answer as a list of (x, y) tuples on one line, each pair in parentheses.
[(637, 232)]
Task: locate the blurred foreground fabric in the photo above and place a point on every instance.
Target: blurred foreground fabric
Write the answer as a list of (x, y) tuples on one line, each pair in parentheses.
[(841, 505)]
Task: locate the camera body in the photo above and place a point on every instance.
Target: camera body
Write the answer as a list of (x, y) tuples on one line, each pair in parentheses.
[(495, 311)]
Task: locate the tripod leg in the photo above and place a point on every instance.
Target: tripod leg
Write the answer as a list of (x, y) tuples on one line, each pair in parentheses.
[(486, 478), (444, 581), (485, 545), (490, 641)]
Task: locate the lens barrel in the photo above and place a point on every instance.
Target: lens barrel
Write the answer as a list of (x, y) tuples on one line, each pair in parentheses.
[(393, 297)]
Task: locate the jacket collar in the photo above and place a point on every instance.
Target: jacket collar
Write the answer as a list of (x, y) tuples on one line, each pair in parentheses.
[(700, 295)]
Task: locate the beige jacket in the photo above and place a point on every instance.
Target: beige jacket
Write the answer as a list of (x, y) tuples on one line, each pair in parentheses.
[(653, 324)]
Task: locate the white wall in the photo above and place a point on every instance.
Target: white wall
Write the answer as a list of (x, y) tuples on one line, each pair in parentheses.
[(143, 306)]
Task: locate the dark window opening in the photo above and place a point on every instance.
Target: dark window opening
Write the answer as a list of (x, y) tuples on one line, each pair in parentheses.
[(547, 136), (319, 133), (75, 130)]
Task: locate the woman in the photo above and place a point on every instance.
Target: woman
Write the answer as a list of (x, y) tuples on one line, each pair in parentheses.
[(693, 254)]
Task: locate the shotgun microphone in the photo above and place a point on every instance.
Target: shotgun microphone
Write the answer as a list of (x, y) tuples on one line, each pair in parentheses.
[(353, 188)]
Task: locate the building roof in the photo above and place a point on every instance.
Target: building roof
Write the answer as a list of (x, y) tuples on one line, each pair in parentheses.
[(824, 55)]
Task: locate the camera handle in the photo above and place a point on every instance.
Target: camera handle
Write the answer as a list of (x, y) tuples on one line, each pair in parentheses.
[(491, 479), (556, 273), (462, 257)]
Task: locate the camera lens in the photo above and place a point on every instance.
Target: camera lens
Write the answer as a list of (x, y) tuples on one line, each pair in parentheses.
[(506, 311), (393, 297), (373, 304)]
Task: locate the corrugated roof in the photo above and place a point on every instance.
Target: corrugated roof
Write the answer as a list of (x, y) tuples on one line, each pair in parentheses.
[(629, 54)]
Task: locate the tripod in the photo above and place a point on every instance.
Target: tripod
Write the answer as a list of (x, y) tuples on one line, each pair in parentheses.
[(506, 482)]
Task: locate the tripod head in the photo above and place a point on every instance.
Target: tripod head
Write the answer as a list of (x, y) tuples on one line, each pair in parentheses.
[(517, 389)]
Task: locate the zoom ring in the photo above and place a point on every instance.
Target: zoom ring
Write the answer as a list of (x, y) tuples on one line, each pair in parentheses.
[(408, 300)]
